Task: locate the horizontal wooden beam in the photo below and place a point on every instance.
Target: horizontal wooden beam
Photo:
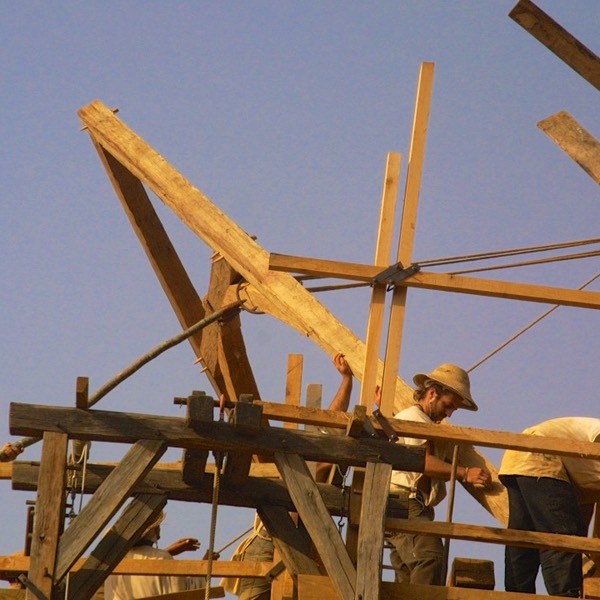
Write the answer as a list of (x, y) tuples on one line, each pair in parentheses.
[(558, 40), (495, 535), (13, 565), (439, 281), (109, 426), (320, 587), (256, 492)]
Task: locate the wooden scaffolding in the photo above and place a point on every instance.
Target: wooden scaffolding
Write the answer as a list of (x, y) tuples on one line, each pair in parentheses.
[(261, 465)]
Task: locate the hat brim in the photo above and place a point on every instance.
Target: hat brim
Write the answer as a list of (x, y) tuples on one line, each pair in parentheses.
[(466, 402)]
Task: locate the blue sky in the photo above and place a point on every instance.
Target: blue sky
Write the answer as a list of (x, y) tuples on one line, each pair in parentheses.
[(283, 113)]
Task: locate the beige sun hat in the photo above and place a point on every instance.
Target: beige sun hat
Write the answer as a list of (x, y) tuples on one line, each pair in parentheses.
[(452, 377), (156, 523)]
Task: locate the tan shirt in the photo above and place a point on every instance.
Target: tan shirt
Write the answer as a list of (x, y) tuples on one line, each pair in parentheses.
[(409, 480), (584, 473)]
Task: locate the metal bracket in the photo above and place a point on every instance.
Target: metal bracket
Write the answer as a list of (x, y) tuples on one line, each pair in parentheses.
[(391, 435), (275, 570), (33, 588), (394, 274)]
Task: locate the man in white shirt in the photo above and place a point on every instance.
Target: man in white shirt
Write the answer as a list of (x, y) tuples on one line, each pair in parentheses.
[(130, 587), (419, 558)]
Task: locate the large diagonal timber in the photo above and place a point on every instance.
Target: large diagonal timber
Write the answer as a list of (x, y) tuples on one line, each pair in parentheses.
[(179, 289), (222, 234), (578, 143), (288, 299), (318, 523), (440, 281), (558, 40)]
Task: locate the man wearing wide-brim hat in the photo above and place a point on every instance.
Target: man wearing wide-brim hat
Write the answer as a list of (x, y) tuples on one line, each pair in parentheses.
[(419, 558)]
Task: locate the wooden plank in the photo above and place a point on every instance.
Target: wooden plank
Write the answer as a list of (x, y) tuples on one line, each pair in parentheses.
[(558, 40), (140, 566), (441, 282), (49, 513), (106, 501), (292, 543), (314, 587), (141, 512), (580, 145), (407, 233), (370, 534), (293, 383), (318, 523), (111, 426), (383, 252), (494, 535), (314, 399)]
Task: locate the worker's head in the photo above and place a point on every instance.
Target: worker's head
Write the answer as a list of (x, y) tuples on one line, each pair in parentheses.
[(152, 532), (444, 390)]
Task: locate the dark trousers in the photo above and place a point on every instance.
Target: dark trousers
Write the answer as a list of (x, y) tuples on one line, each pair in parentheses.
[(551, 506)]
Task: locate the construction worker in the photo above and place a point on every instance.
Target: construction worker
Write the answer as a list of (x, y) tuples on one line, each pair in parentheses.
[(258, 547), (545, 494), (420, 558), (129, 587)]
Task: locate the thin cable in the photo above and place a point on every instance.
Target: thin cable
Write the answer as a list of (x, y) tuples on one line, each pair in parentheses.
[(527, 327), (498, 253), (530, 262)]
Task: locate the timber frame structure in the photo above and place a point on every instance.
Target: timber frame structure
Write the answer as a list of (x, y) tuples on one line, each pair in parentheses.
[(263, 466)]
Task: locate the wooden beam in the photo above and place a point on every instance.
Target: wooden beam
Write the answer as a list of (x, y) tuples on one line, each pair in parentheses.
[(494, 535), (441, 282), (318, 522), (312, 587), (49, 513), (370, 534), (383, 256), (580, 145), (106, 501), (292, 543), (408, 225), (139, 566), (558, 40), (141, 512), (111, 426), (257, 491)]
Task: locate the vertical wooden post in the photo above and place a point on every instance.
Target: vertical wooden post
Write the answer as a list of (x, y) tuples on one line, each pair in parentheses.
[(370, 536), (49, 514), (383, 252), (293, 383)]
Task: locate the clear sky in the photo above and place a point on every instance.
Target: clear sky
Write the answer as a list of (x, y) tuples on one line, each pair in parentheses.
[(283, 113)]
